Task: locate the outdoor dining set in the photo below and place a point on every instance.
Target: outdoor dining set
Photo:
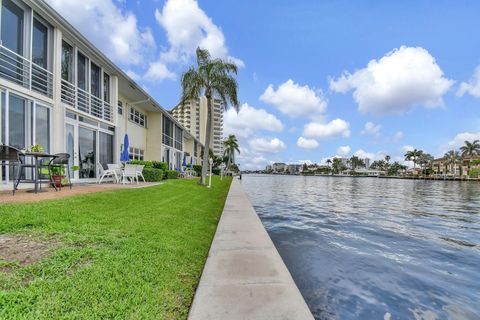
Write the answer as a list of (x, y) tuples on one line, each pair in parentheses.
[(119, 173)]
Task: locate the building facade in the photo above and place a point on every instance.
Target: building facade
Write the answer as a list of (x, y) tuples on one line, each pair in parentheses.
[(193, 116), (59, 91)]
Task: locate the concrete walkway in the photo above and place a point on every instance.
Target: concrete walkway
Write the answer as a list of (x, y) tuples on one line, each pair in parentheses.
[(244, 276)]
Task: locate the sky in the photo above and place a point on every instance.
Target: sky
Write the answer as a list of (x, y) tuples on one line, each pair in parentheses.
[(317, 79)]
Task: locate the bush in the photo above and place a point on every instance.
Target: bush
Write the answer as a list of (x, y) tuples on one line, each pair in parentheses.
[(150, 164), (147, 164), (474, 173), (216, 171), (160, 165), (152, 174), (171, 174), (198, 169)]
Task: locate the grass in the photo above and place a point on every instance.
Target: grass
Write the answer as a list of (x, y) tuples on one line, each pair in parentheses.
[(126, 254)]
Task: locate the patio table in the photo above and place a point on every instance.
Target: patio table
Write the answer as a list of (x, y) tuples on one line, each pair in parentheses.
[(37, 156)]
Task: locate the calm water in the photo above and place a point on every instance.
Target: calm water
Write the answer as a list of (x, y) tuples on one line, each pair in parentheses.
[(367, 248)]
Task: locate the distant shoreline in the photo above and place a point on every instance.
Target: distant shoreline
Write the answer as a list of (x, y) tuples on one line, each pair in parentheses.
[(376, 177)]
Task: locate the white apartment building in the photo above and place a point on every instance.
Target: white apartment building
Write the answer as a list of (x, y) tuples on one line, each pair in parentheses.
[(57, 90), (193, 116)]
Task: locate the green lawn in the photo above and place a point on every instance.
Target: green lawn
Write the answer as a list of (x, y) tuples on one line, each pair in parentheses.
[(126, 254)]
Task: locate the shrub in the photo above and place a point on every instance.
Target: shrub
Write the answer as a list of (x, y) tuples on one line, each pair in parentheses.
[(150, 164), (474, 173), (171, 174), (198, 169), (147, 164), (216, 171), (160, 165), (152, 174)]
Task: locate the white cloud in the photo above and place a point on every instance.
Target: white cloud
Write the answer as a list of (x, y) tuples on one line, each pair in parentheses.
[(344, 150), (308, 162), (371, 128), (114, 31), (332, 129), (362, 154), (407, 148), (459, 139), (267, 145), (402, 79), (158, 71), (295, 100), (248, 120), (471, 87), (397, 136), (187, 27), (251, 160), (307, 143)]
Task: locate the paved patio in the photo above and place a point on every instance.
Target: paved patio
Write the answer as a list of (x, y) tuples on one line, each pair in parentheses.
[(22, 195)]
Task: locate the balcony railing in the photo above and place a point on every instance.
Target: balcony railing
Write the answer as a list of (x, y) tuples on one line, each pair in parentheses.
[(21, 71), (86, 102)]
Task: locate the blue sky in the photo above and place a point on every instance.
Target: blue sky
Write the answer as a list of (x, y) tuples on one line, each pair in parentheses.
[(317, 78)]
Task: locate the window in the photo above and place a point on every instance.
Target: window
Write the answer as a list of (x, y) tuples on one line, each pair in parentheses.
[(42, 127), (178, 138), (120, 107), (82, 71), (17, 122), (39, 43), (138, 117), (105, 149), (67, 62), (167, 131), (106, 87), (195, 147), (135, 153), (95, 80), (12, 24)]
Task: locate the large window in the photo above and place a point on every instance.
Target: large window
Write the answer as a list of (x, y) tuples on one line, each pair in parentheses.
[(40, 44), (106, 149), (178, 138), (106, 87), (195, 147), (12, 24), (138, 117), (167, 131), (135, 153), (87, 144), (95, 80), (82, 71), (17, 122), (67, 62)]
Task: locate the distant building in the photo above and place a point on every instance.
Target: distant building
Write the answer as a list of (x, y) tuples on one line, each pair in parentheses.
[(367, 163), (279, 167), (268, 168), (294, 168)]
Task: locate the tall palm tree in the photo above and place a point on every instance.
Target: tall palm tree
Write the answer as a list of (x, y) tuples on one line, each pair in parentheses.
[(387, 158), (413, 156), (356, 162), (230, 146), (470, 149), (329, 162), (213, 78), (452, 158)]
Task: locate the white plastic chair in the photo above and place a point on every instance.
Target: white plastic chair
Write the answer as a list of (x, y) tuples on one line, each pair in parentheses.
[(139, 170), (117, 168), (130, 173), (102, 173)]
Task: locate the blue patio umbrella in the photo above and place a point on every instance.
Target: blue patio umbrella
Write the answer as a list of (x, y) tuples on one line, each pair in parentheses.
[(191, 161), (184, 164), (124, 156)]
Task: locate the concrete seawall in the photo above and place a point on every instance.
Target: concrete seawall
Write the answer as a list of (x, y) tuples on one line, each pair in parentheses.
[(244, 276)]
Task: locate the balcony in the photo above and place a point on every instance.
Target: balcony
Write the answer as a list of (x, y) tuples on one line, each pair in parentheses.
[(85, 102), (21, 71)]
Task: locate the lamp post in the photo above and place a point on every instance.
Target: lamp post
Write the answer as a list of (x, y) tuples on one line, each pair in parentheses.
[(222, 167), (210, 161)]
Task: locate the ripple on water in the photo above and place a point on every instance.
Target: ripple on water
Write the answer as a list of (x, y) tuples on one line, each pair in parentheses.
[(376, 248)]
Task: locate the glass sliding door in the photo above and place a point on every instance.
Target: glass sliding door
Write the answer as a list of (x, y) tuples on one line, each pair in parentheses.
[(87, 146), (95, 80), (12, 38), (82, 71), (40, 76), (105, 149), (42, 127), (70, 146), (17, 118)]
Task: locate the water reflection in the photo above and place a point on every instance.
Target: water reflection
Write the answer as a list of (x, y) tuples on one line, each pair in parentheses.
[(366, 248)]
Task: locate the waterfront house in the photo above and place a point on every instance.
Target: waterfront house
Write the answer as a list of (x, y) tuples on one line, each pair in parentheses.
[(59, 91)]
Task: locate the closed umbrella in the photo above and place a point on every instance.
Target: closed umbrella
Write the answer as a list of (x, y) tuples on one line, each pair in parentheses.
[(124, 156), (184, 164)]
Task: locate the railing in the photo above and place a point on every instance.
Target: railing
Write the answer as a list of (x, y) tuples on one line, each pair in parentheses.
[(85, 102), (21, 71)]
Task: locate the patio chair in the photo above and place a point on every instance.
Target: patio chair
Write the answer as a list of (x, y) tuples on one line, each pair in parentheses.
[(102, 173), (13, 156), (117, 168), (130, 173), (60, 161), (139, 169)]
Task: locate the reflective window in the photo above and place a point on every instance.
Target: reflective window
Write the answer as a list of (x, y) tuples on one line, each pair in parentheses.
[(42, 127), (87, 144), (106, 87), (17, 122), (39, 44), (106, 149), (67, 62), (12, 26), (82, 71), (95, 80)]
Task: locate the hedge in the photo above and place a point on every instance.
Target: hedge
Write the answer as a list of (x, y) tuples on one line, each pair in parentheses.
[(171, 174), (150, 164), (152, 174), (216, 171), (198, 169)]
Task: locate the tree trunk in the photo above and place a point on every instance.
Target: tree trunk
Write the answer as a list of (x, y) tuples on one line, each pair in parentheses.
[(208, 135)]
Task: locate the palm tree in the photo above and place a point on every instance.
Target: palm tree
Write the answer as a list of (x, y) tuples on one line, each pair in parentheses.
[(387, 158), (451, 158), (425, 160), (329, 162), (356, 162), (230, 146), (470, 149), (214, 79), (413, 155)]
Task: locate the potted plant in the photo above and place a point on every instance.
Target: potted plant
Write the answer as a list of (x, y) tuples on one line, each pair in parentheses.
[(36, 148), (57, 176), (65, 180)]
